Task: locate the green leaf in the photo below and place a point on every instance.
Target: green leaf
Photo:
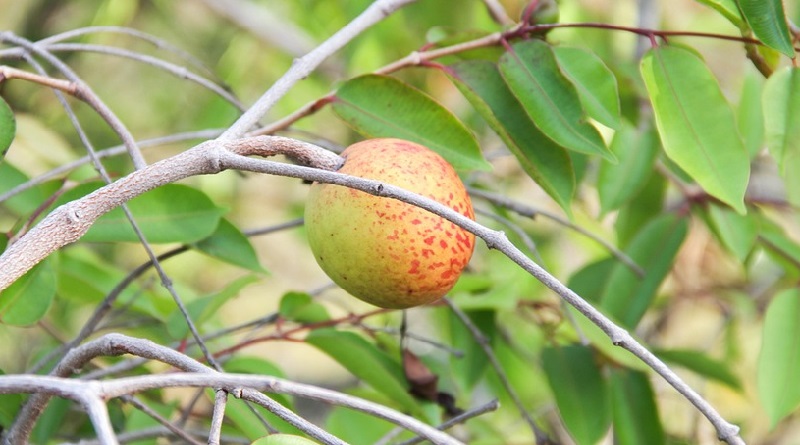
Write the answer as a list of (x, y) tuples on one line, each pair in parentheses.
[(356, 427), (86, 278), (533, 75), (543, 160), (636, 151), (590, 280), (173, 213), (366, 362), (580, 390), (737, 232), (301, 307), (52, 419), (283, 439), (779, 360), (381, 106), (228, 244), (696, 123), (783, 247), (750, 115), (768, 22), (26, 301), (727, 8), (781, 102), (205, 308), (471, 367), (8, 127), (627, 296), (25, 203), (645, 205), (700, 363), (252, 365), (596, 84), (635, 411)]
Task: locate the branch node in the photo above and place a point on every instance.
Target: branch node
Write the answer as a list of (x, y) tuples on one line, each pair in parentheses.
[(73, 216)]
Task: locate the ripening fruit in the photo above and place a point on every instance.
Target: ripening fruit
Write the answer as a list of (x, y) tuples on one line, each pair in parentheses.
[(382, 250)]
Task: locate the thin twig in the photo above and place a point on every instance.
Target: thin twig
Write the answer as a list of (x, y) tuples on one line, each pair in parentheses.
[(532, 212), (539, 434), (498, 12), (178, 432), (303, 66), (461, 418), (85, 93), (175, 70), (217, 416)]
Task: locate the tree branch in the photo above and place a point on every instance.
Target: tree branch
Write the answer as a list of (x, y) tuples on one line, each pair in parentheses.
[(305, 65), (69, 221)]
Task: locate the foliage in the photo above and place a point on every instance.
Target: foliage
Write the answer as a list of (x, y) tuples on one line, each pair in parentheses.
[(653, 175)]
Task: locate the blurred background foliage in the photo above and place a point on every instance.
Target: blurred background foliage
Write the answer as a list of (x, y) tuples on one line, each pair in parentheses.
[(711, 303)]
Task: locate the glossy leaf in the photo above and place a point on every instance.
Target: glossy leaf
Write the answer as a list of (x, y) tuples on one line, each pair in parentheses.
[(26, 301), (173, 213), (737, 232), (596, 84), (636, 418), (8, 127), (301, 307), (381, 106), (750, 114), (768, 22), (366, 362), (581, 391), (727, 8), (543, 160), (627, 296), (779, 360), (696, 123), (228, 244), (533, 75), (702, 364), (636, 151)]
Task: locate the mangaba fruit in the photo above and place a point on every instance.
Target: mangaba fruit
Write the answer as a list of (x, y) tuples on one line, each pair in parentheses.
[(381, 250)]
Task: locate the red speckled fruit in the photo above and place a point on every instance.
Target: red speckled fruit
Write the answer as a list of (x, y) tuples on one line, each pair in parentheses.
[(383, 251)]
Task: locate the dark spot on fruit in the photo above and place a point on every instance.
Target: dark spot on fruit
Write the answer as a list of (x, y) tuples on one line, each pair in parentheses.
[(429, 240), (443, 244), (414, 267)]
